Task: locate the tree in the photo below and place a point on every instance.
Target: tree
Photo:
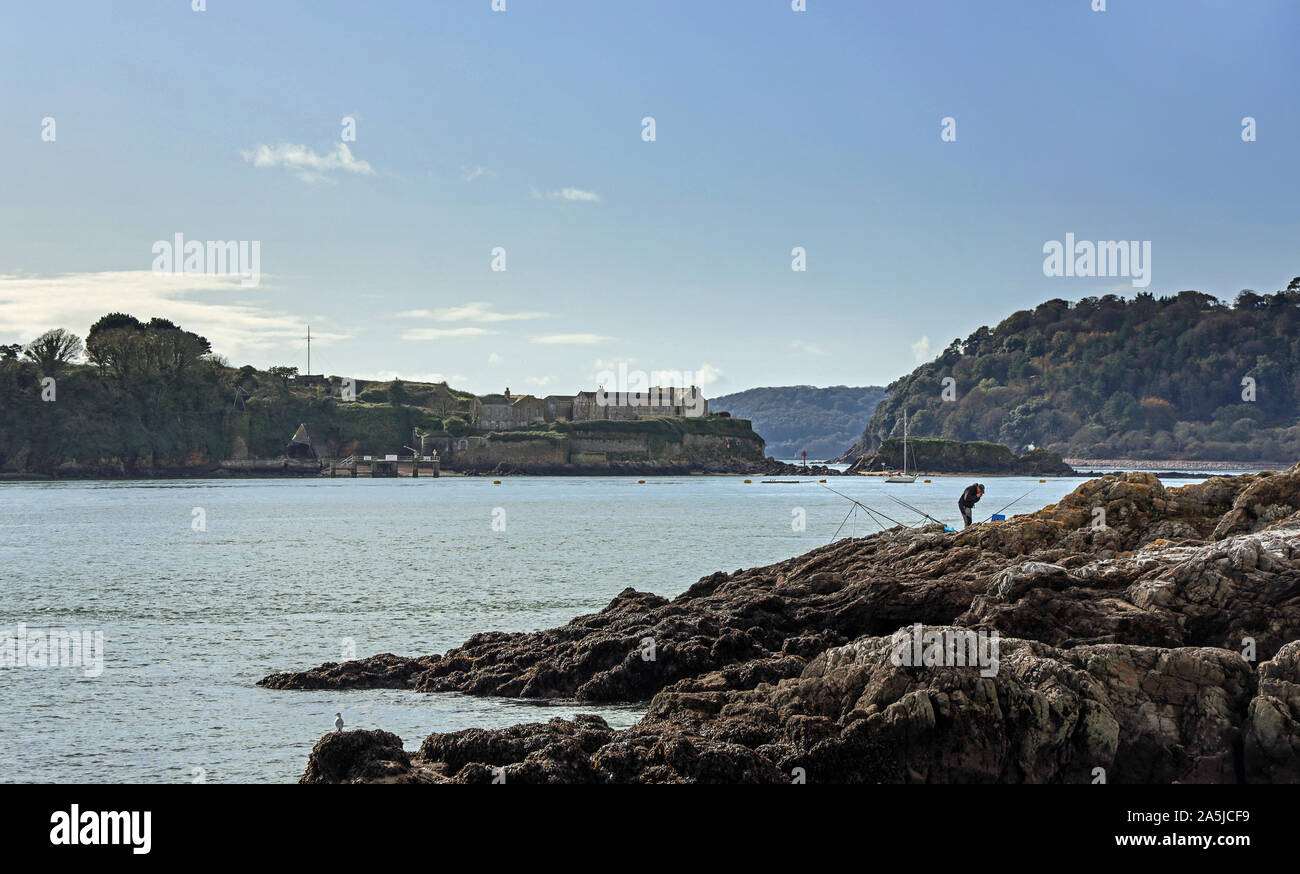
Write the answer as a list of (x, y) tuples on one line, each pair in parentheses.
[(1121, 412), (133, 351), (1248, 300), (1158, 414), (283, 373), (112, 322), (397, 393), (53, 350), (109, 342)]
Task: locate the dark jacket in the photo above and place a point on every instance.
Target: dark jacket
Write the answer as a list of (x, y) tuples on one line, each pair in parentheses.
[(970, 497)]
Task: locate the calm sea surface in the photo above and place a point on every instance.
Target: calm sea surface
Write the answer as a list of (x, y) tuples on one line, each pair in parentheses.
[(287, 574)]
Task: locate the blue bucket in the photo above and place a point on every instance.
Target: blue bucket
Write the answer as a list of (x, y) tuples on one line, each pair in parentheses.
[(998, 517)]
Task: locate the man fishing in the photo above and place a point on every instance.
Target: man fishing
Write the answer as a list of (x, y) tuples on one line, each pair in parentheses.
[(968, 499)]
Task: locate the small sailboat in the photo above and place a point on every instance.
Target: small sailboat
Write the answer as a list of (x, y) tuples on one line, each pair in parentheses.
[(903, 477)]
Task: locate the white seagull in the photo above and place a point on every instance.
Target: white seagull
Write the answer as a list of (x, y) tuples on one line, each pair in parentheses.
[(338, 721)]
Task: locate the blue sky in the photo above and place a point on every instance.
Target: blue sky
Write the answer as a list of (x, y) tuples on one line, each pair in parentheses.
[(522, 129)]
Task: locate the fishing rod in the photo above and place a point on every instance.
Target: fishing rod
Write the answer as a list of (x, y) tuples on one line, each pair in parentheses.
[(916, 510), (862, 505), (1016, 501), (853, 509)]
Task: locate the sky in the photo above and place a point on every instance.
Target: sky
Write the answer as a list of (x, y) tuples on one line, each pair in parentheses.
[(516, 139)]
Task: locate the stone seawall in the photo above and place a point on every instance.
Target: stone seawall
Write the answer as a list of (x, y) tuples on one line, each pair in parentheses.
[(580, 452)]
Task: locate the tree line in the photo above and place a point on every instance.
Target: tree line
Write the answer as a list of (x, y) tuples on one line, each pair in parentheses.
[(1180, 376)]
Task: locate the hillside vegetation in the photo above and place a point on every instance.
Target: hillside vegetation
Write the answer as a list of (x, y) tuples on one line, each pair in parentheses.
[(936, 455), (154, 399), (1185, 376), (822, 421)]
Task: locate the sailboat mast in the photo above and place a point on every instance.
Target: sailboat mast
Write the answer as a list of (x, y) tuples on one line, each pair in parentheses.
[(904, 441)]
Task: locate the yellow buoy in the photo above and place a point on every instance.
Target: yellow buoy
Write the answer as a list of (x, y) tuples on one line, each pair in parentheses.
[(749, 480), (927, 480), (640, 482), (496, 482), (1042, 480), (821, 480)]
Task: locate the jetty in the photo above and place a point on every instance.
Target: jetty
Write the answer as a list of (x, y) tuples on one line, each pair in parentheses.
[(383, 466)]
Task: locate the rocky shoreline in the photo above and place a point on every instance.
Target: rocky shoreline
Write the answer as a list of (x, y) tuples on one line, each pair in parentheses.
[(954, 457), (1175, 464), (767, 467), (292, 469), (1161, 646)]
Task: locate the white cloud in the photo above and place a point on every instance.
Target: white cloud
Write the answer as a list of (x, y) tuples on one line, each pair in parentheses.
[(390, 375), (494, 358), (310, 166), (214, 306), (444, 333), (921, 350), (576, 195), (539, 381), (572, 339), (469, 174), (474, 311), (706, 374), (805, 349)]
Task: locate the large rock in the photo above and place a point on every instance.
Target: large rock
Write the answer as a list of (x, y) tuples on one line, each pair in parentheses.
[(1272, 742), (1124, 714), (385, 671), (1125, 610), (358, 756)]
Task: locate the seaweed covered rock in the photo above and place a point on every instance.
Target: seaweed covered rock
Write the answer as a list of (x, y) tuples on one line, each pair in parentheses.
[(386, 671), (370, 756)]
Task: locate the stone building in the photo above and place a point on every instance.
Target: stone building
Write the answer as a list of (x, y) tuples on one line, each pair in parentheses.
[(498, 412), (585, 407), (655, 401), (503, 411), (559, 407)]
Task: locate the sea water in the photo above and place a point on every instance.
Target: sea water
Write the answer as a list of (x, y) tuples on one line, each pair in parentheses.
[(199, 588)]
